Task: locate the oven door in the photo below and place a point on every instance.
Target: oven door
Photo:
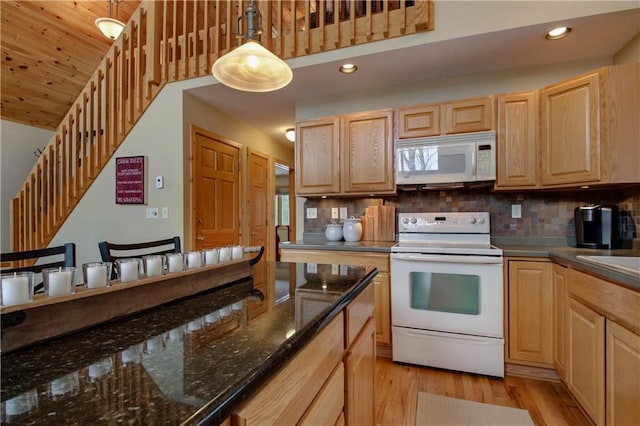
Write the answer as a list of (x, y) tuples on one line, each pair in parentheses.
[(451, 293)]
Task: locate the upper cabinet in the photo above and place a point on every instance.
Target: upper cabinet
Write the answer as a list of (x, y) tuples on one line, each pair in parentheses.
[(589, 131), (467, 115), (346, 155), (517, 141)]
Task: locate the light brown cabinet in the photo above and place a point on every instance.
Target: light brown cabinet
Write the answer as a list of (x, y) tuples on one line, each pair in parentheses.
[(462, 116), (382, 285), (560, 310), (360, 362), (330, 381), (318, 156), (517, 141), (585, 369), (622, 376), (603, 348), (589, 128), (530, 317), (346, 155)]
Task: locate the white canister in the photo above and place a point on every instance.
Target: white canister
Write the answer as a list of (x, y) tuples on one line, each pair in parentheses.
[(352, 229), (333, 232)]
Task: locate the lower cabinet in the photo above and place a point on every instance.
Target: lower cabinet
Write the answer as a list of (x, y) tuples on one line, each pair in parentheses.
[(602, 368), (329, 382), (560, 320), (585, 373), (622, 376), (361, 367), (530, 313)]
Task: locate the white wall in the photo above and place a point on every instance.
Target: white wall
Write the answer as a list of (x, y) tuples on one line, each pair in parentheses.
[(17, 144)]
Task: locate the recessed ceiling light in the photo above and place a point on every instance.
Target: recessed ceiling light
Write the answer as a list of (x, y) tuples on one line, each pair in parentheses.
[(348, 68), (557, 33)]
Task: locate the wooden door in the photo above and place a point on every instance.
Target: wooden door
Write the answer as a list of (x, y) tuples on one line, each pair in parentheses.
[(560, 318), (367, 153), (531, 313), (586, 359), (517, 140), (216, 191), (318, 157), (258, 196), (469, 115), (570, 131), (623, 376)]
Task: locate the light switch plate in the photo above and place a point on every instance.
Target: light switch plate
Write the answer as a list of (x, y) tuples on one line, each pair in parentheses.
[(343, 212), (334, 212), (152, 212), (312, 213), (516, 211), (335, 269), (312, 268)]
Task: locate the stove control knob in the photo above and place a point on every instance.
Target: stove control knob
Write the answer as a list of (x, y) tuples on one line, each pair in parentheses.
[(472, 221), (481, 220), (414, 220), (405, 220)]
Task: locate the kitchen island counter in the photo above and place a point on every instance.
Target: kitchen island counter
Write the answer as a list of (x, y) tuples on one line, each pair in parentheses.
[(193, 361)]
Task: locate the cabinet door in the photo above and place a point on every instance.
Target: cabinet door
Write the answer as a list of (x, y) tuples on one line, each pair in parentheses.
[(560, 319), (570, 132), (623, 376), (367, 153), (418, 121), (318, 157), (585, 363), (360, 378), (383, 308), (517, 140), (470, 115), (531, 313)]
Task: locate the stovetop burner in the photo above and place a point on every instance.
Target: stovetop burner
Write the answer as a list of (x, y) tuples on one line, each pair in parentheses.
[(445, 233)]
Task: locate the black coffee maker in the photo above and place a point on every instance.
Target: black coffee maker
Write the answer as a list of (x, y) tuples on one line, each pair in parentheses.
[(597, 227)]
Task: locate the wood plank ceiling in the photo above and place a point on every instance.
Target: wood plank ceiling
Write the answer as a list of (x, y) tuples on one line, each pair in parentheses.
[(50, 49)]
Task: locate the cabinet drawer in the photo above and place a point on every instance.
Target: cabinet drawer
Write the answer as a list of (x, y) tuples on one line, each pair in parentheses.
[(329, 402), (285, 398), (357, 313)]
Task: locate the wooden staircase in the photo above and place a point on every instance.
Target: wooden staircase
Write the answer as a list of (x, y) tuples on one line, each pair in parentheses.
[(173, 40)]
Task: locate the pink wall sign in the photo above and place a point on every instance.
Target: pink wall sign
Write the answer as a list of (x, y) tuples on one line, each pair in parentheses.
[(130, 180)]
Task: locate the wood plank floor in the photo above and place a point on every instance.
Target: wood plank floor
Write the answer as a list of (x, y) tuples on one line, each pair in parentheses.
[(397, 387)]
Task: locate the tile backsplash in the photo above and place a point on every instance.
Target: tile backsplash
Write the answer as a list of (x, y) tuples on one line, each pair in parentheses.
[(544, 214)]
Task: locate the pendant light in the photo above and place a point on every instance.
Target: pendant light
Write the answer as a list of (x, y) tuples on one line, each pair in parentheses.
[(110, 27), (251, 67)]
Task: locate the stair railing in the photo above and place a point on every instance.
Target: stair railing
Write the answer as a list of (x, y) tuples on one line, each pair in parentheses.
[(173, 40)]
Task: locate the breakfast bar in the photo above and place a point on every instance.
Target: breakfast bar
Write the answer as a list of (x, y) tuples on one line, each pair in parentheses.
[(196, 360)]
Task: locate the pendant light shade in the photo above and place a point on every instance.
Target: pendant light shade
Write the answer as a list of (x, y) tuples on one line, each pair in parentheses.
[(110, 27), (251, 67)]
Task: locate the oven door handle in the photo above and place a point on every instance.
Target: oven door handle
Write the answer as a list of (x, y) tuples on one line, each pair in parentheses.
[(446, 258)]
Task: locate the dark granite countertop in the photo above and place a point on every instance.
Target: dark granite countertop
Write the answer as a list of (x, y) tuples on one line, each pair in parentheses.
[(187, 362)]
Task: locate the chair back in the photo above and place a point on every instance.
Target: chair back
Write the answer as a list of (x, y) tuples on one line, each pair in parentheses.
[(110, 252), (26, 260)]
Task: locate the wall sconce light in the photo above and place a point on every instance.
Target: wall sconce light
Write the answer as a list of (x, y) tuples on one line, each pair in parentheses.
[(251, 67), (290, 134), (110, 27)]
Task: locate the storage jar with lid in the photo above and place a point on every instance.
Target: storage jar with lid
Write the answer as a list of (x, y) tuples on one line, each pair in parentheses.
[(333, 232), (352, 229)]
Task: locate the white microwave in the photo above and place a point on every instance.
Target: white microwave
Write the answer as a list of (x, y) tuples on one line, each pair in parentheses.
[(448, 159)]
